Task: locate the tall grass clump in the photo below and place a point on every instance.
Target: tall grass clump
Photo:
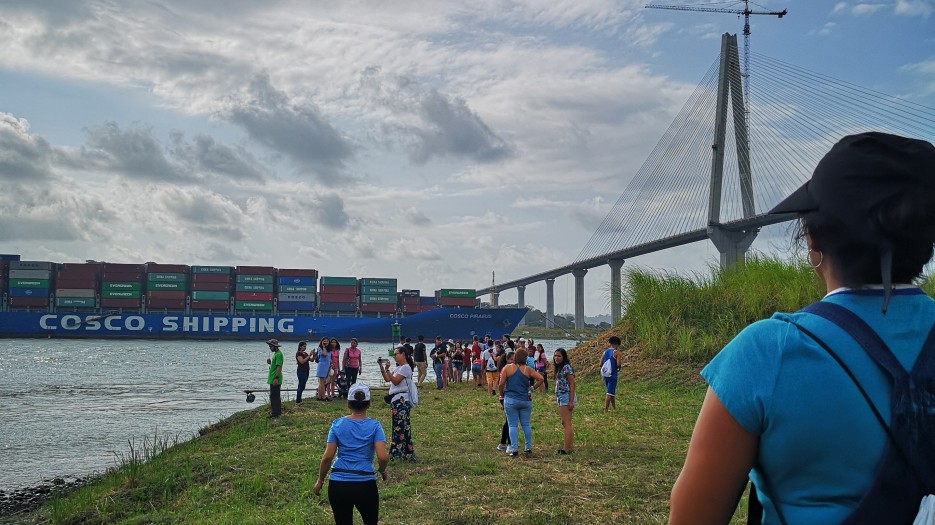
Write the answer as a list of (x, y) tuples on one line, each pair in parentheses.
[(690, 319)]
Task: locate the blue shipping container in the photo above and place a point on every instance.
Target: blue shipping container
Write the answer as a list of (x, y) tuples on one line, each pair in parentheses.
[(338, 307), (29, 292), (7, 257), (297, 281), (293, 306), (428, 300)]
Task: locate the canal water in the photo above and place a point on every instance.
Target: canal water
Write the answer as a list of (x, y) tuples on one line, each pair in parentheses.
[(69, 408)]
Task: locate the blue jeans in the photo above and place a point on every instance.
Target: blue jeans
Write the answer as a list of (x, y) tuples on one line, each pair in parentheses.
[(303, 378), (439, 374), (518, 412)]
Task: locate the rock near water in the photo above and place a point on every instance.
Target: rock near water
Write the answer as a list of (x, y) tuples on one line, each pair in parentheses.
[(28, 499)]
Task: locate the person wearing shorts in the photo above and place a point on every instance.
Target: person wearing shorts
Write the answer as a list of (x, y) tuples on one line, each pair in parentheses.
[(613, 354)]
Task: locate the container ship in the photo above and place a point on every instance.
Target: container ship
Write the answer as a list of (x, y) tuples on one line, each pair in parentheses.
[(175, 301)]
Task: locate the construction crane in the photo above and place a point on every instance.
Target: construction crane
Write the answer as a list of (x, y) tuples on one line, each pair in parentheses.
[(746, 12)]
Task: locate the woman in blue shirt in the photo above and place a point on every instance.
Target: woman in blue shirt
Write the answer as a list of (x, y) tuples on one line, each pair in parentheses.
[(779, 408), (323, 360), (354, 439), (517, 400)]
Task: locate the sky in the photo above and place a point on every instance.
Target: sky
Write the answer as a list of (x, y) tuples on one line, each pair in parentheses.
[(436, 142)]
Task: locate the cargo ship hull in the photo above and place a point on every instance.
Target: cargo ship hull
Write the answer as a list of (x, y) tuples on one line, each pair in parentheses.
[(456, 323)]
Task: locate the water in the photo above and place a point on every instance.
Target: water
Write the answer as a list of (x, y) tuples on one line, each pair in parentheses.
[(70, 407)]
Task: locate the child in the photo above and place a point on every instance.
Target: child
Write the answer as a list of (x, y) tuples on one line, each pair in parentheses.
[(342, 384)]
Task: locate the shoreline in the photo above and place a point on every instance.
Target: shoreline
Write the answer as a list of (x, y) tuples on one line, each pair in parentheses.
[(20, 501)]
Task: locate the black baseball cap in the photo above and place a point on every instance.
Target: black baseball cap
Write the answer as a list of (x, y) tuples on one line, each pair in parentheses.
[(860, 172)]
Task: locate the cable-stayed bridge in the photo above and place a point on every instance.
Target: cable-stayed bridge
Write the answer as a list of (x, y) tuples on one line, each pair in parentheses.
[(724, 162)]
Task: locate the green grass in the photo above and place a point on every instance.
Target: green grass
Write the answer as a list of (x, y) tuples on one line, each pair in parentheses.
[(249, 469)]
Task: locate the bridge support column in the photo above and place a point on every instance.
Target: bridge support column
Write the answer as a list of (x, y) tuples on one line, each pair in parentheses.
[(733, 245), (521, 301), (550, 303), (616, 291), (495, 299), (579, 298)]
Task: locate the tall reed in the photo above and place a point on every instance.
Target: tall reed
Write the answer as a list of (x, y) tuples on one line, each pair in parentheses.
[(691, 318)]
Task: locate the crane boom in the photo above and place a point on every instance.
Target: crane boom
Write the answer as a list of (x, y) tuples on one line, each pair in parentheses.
[(779, 14)]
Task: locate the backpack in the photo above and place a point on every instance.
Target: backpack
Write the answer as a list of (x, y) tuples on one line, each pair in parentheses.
[(906, 474), (413, 393), (607, 369)]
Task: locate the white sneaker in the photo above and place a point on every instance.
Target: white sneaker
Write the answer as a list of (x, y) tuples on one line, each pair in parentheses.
[(501, 448)]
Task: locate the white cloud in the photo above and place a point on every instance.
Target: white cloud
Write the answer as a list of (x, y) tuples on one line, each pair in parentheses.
[(825, 30), (922, 8), (866, 9)]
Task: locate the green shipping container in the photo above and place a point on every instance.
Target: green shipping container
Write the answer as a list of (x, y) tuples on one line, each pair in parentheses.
[(255, 279), (29, 283), (292, 289), (109, 285), (458, 292), (75, 302), (371, 281), (343, 281), (253, 305), (211, 296), (120, 294), (378, 290), (244, 287), (158, 285), (378, 299), (166, 277), (226, 270)]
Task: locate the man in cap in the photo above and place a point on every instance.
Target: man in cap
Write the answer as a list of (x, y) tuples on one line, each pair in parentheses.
[(274, 378)]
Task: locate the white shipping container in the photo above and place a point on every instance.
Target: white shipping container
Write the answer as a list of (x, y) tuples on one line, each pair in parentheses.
[(30, 265), (75, 293), (30, 274)]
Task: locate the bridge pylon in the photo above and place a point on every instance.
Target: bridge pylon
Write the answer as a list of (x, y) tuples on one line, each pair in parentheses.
[(732, 244)]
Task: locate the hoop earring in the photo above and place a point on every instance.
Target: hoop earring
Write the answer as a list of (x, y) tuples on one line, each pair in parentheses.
[(821, 259)]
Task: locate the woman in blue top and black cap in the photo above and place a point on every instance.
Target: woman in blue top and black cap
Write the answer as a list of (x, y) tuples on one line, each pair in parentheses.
[(354, 439), (801, 403)]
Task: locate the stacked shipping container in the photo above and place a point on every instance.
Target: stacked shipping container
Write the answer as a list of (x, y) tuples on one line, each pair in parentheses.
[(296, 290), (76, 286), (338, 294), (377, 294), (122, 286), (460, 297), (211, 288), (253, 291), (166, 286), (408, 301), (29, 283)]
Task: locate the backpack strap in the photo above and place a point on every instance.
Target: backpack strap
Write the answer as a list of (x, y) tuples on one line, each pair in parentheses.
[(874, 346)]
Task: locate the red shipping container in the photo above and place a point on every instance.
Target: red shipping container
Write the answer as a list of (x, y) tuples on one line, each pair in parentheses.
[(122, 277), (171, 304), (79, 273), (338, 289), (388, 308), (166, 268), (86, 266), (256, 270), (211, 287), (253, 296), (410, 301), (17, 302), (174, 295), (296, 272), (210, 305), (211, 278), (76, 284), (339, 298), (411, 308), (124, 268), (120, 303), (457, 301)]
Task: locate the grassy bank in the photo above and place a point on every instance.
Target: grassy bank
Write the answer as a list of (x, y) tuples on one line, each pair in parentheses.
[(249, 469)]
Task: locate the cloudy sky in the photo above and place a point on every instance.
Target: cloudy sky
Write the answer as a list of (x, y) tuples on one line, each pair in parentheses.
[(435, 141)]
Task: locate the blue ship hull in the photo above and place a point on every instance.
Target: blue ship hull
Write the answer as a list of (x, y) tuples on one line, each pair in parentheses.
[(457, 323)]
